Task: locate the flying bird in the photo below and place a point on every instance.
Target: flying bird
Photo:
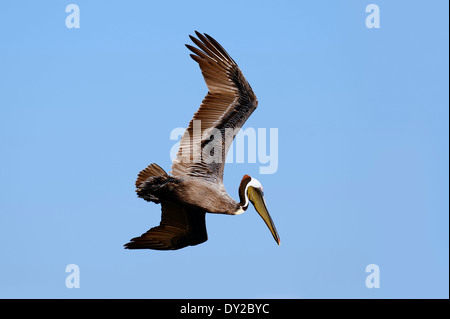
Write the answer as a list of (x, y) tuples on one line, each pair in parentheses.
[(195, 184)]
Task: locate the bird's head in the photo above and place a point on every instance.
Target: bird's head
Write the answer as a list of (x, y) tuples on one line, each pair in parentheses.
[(251, 190)]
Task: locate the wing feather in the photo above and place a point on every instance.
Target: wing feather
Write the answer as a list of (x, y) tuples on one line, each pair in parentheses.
[(180, 227), (227, 105)]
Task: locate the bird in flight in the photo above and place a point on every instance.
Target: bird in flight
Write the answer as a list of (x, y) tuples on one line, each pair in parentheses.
[(195, 187)]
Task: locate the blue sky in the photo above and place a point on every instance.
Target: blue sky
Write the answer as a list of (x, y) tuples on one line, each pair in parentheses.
[(362, 118)]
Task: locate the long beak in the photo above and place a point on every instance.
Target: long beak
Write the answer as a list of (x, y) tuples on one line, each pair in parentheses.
[(256, 197)]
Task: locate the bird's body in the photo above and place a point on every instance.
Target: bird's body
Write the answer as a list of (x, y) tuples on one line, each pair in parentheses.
[(195, 185), (190, 191)]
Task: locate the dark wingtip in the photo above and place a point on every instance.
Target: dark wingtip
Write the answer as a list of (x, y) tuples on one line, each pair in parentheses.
[(209, 37), (190, 47)]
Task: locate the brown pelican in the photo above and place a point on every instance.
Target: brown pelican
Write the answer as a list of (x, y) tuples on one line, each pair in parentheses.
[(195, 185)]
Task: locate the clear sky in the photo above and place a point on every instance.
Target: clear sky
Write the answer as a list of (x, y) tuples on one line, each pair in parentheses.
[(363, 158)]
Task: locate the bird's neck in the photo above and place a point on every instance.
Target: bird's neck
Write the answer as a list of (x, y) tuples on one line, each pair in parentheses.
[(243, 197)]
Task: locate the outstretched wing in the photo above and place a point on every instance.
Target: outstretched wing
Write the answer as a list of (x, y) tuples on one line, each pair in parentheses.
[(180, 227), (229, 103)]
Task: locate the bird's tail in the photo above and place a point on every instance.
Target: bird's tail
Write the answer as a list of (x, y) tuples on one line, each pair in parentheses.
[(153, 170), (149, 181)]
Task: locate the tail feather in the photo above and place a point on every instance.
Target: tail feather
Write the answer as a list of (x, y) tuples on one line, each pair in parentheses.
[(150, 181), (153, 170)]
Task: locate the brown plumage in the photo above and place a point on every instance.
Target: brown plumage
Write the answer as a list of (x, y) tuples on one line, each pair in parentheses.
[(180, 226), (229, 103), (196, 184)]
